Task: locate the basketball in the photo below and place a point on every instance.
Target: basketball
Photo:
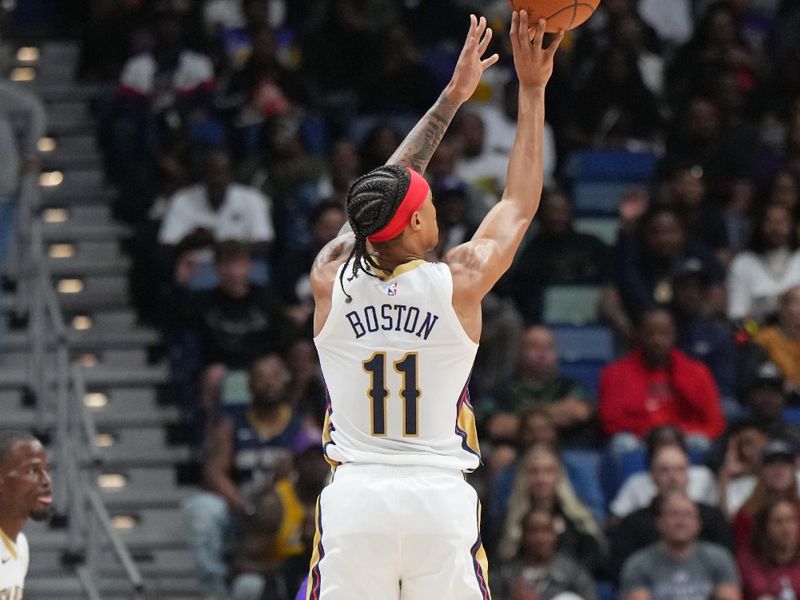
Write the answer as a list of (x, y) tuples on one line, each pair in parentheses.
[(559, 14)]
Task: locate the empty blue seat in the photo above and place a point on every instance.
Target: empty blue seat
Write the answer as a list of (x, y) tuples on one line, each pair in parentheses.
[(599, 198), (792, 415), (571, 304), (591, 343), (586, 373), (611, 165)]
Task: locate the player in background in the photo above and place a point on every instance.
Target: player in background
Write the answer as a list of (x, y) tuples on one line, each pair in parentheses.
[(397, 338), (25, 493)]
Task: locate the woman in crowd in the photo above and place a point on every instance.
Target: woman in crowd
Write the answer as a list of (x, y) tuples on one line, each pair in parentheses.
[(542, 484), (771, 265), (770, 564)]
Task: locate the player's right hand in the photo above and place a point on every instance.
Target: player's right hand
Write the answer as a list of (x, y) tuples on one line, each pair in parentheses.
[(534, 64)]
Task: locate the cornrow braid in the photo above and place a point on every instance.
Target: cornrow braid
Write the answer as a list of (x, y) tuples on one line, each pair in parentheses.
[(372, 201)]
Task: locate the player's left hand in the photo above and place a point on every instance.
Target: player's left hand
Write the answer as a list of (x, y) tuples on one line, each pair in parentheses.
[(471, 64)]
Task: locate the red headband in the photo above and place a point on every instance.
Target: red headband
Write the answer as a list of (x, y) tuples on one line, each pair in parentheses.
[(418, 190)]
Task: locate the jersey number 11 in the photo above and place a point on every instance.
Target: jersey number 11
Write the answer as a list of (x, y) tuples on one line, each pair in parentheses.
[(375, 365)]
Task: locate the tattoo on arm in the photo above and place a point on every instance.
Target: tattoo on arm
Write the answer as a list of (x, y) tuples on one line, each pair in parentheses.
[(335, 250), (418, 147)]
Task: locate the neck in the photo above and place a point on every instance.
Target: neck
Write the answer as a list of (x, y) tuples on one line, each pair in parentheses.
[(653, 363), (679, 550), (546, 504), (389, 263), (791, 331), (784, 555), (12, 526), (536, 377), (536, 560), (267, 412)]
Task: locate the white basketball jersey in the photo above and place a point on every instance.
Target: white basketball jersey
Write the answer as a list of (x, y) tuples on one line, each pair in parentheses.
[(396, 363), (14, 560)]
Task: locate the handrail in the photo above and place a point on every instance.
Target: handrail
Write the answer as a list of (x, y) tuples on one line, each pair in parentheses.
[(95, 503), (59, 389)]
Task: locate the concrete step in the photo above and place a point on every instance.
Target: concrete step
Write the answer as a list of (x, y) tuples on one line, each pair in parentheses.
[(78, 187), (67, 117), (97, 338), (113, 588), (133, 407), (93, 293), (103, 377), (89, 265), (141, 447), (75, 232), (72, 152)]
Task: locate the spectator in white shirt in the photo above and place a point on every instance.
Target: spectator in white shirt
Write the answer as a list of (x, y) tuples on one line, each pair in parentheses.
[(639, 489), (758, 276), (500, 124), (217, 210)]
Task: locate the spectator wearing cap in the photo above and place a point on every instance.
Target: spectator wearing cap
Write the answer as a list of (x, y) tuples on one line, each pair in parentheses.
[(451, 198), (702, 335), (669, 470), (648, 253), (767, 269), (556, 255), (777, 478), (782, 340), (639, 489), (658, 384), (677, 565)]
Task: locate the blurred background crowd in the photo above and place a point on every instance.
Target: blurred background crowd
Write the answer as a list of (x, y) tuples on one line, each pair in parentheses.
[(638, 382)]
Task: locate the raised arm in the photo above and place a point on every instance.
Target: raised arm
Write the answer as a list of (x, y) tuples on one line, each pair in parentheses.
[(420, 144), (478, 264)]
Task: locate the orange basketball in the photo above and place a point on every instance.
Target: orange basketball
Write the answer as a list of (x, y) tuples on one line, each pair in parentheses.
[(559, 14)]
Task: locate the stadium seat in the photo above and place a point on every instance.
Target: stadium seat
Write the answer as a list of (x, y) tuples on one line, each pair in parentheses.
[(603, 228), (571, 305), (586, 373), (611, 165), (792, 415), (602, 177), (585, 344)]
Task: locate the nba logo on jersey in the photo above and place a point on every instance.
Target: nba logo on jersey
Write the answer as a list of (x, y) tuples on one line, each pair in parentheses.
[(392, 289)]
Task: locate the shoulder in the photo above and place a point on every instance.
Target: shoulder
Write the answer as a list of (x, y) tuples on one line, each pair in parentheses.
[(643, 559), (187, 195), (715, 553), (744, 260), (246, 194)]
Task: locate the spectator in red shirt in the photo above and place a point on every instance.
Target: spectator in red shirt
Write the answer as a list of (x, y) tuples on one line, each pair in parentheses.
[(771, 562), (657, 384)]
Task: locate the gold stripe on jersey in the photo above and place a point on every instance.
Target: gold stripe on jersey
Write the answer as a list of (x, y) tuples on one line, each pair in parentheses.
[(11, 593), (313, 571), (10, 546), (326, 438), (400, 269), (466, 423)]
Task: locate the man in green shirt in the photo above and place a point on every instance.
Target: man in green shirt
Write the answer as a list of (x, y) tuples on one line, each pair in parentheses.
[(537, 382)]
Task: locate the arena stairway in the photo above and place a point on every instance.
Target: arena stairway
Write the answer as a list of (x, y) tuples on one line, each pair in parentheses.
[(127, 391)]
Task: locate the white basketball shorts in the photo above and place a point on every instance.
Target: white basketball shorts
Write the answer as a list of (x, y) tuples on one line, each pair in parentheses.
[(398, 533)]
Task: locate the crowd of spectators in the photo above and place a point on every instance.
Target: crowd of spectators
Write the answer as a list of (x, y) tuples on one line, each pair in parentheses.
[(232, 129)]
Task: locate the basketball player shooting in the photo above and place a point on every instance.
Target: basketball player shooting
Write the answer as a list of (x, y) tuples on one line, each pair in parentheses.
[(25, 493), (397, 338)]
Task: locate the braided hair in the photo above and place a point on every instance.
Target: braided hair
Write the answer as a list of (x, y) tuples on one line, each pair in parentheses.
[(372, 201)]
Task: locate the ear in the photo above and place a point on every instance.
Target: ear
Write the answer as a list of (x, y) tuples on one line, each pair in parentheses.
[(416, 221)]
